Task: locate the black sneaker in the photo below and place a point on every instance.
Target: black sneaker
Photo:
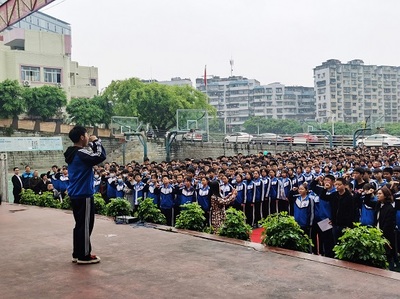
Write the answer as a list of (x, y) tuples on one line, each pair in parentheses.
[(91, 259)]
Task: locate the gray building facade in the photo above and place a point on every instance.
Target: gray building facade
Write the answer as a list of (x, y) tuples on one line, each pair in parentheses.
[(353, 92), (237, 99)]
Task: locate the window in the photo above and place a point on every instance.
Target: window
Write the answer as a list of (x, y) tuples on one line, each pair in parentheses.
[(92, 82), (52, 75), (30, 73)]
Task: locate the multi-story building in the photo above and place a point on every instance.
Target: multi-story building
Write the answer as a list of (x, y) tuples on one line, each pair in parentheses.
[(353, 92), (237, 99), (37, 51), (176, 81)]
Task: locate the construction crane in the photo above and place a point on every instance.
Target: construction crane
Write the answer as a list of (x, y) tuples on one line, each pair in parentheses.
[(12, 11)]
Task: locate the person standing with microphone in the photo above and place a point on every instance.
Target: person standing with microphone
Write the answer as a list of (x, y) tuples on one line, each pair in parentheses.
[(81, 157)]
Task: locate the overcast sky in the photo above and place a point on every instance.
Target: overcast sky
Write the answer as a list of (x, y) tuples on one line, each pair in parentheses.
[(269, 40)]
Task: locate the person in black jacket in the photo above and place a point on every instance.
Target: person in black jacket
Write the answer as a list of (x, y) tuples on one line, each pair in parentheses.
[(17, 185), (344, 208), (385, 219)]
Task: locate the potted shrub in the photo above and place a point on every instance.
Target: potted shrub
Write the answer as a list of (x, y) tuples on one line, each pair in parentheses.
[(66, 203), (99, 204), (235, 225), (148, 212), (118, 207), (363, 245), (281, 230), (28, 197), (191, 217), (47, 200)]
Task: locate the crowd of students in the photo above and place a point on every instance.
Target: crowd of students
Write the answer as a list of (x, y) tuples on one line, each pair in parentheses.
[(56, 181), (325, 190)]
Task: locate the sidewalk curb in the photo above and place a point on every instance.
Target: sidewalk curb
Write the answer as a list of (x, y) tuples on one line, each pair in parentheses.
[(287, 252)]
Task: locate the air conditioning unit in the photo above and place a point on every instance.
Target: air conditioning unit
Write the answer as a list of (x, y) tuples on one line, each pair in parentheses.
[(26, 83)]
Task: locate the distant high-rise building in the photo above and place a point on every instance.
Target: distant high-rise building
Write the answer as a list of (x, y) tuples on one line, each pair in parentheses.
[(353, 92), (176, 81), (237, 99)]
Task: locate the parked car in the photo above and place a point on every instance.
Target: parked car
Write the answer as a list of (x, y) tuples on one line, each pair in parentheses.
[(379, 140), (193, 135), (269, 138), (303, 138), (238, 137)]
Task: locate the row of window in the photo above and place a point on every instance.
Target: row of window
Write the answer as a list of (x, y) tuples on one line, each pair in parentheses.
[(32, 74)]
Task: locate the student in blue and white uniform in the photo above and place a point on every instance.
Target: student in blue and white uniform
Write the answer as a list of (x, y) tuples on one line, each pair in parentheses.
[(267, 185), (258, 196), (241, 189), (204, 198), (167, 200), (274, 191), (303, 207), (249, 200), (286, 186), (367, 212)]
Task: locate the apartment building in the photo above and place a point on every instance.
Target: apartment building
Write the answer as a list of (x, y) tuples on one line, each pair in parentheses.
[(37, 51), (237, 98), (353, 92), (176, 81)]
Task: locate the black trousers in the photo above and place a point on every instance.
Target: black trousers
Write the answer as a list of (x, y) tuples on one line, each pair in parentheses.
[(17, 195), (249, 212), (169, 215), (83, 209)]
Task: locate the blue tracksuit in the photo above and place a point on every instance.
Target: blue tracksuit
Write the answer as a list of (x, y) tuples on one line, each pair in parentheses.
[(304, 210), (241, 193), (203, 198), (167, 197)]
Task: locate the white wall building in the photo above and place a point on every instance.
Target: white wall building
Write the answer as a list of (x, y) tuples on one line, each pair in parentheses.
[(353, 92), (37, 51)]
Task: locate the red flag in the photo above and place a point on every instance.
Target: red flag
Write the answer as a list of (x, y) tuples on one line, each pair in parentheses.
[(205, 76)]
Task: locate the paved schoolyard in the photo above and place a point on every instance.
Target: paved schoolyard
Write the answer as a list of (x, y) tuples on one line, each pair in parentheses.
[(143, 262)]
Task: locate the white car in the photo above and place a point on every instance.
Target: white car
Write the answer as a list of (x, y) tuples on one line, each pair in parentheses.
[(379, 140), (238, 137), (268, 138), (193, 136)]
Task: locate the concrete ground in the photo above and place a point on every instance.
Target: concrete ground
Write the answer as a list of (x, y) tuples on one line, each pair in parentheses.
[(143, 262)]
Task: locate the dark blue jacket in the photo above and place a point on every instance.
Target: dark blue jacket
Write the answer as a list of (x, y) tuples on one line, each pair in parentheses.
[(80, 168)]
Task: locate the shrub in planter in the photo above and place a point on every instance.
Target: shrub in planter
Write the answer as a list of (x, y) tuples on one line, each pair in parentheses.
[(99, 204), (148, 212), (281, 230), (363, 245), (118, 207), (191, 217), (28, 197), (47, 200), (66, 203), (235, 225)]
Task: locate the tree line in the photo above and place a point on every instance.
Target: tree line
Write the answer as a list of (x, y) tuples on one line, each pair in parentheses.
[(152, 103)]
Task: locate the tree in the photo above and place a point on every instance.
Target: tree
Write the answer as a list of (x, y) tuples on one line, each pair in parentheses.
[(45, 101), (393, 129), (106, 108), (85, 112), (119, 94), (342, 128), (278, 126), (11, 99), (153, 103)]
